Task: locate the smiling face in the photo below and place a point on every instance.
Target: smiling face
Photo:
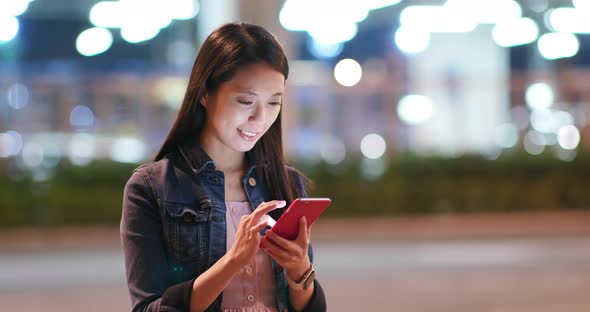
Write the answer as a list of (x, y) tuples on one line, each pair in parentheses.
[(242, 109)]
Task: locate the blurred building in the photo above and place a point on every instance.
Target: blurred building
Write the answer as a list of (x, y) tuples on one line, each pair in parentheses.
[(367, 77)]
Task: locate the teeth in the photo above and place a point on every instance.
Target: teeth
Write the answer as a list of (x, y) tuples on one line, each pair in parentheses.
[(248, 133)]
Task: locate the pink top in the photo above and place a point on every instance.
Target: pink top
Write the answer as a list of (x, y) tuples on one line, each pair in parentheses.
[(252, 289)]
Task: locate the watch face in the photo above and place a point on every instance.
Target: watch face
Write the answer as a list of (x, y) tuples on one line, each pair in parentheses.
[(309, 280)]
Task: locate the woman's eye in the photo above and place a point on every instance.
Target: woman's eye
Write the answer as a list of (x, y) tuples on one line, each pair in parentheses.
[(274, 103), (244, 102)]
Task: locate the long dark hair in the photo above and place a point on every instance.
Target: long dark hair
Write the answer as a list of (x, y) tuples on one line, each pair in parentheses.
[(228, 48)]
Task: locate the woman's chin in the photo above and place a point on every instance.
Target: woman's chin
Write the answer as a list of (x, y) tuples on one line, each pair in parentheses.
[(244, 146)]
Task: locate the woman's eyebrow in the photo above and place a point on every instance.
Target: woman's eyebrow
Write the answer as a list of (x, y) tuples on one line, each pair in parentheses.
[(256, 94)]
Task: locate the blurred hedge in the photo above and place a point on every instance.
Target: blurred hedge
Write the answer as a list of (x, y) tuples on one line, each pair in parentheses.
[(409, 185), (73, 195), (468, 184)]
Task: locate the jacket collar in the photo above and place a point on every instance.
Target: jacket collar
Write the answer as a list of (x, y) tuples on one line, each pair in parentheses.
[(198, 159)]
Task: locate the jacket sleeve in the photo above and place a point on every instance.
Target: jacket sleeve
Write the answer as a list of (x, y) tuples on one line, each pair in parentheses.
[(146, 263), (317, 303)]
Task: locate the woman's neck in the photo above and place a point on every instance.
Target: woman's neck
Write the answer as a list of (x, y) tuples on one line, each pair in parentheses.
[(225, 158)]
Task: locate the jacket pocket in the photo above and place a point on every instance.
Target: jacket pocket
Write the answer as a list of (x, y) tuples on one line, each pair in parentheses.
[(188, 230)]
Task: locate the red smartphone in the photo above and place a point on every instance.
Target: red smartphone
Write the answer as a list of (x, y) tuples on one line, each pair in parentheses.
[(288, 224)]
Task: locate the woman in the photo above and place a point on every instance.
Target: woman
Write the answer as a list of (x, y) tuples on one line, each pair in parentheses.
[(189, 231)]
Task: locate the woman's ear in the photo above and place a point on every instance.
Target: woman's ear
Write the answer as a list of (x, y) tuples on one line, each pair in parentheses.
[(204, 99)]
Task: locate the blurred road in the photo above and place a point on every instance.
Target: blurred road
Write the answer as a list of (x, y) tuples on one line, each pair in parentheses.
[(541, 273)]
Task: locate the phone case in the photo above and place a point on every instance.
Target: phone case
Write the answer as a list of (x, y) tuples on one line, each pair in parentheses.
[(288, 224)]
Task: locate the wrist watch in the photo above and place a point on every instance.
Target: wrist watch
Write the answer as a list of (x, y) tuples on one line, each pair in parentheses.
[(305, 281)]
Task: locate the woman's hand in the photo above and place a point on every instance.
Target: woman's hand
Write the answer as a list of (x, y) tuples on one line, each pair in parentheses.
[(290, 254), (247, 236)]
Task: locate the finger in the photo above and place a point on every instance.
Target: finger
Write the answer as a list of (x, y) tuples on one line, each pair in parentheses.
[(243, 222), (303, 235), (273, 256), (257, 228), (274, 251), (269, 241), (266, 208), (282, 242)]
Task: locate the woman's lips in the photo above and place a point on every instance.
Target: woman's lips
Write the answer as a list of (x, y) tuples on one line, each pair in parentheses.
[(248, 135)]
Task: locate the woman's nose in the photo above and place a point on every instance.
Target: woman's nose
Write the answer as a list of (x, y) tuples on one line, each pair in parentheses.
[(258, 114)]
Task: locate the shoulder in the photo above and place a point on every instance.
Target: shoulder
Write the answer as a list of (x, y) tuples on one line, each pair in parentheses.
[(140, 181), (300, 179), (154, 173), (159, 167), (294, 173)]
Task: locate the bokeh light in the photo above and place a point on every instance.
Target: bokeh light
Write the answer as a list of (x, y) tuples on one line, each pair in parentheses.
[(412, 40), (569, 20), (18, 96), (506, 135), (333, 33), (534, 143), (487, 12), (135, 32), (437, 19), (51, 154), (558, 45), (127, 150), (9, 27), (539, 96), (81, 118), (415, 109), (324, 51), (107, 14), (182, 9), (14, 7), (94, 41), (322, 22), (82, 149), (11, 143), (515, 32), (32, 154), (582, 5), (568, 137), (549, 121), (348, 72), (373, 146)]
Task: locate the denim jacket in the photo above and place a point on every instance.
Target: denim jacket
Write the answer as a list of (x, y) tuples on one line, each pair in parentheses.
[(173, 228)]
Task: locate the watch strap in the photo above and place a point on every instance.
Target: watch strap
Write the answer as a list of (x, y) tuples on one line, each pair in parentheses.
[(305, 281)]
